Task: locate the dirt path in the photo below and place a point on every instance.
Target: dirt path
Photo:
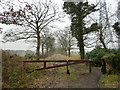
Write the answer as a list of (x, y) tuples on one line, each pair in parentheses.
[(84, 80), (79, 77)]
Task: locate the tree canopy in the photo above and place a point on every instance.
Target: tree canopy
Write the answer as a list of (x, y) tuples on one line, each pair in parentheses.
[(78, 12)]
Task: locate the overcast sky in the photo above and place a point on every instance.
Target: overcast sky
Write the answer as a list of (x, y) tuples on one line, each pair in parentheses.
[(20, 45)]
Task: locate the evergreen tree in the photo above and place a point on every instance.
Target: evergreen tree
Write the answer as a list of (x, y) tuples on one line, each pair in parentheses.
[(78, 11)]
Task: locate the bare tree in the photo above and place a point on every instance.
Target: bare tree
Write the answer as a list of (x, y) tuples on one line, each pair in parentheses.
[(66, 40), (105, 35), (34, 17), (42, 45), (48, 42)]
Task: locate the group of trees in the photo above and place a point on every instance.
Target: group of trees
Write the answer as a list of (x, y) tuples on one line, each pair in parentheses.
[(65, 41), (47, 42), (79, 11), (34, 17)]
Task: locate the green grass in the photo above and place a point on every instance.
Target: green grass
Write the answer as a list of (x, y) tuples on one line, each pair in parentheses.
[(63, 73), (110, 81), (76, 56), (22, 56)]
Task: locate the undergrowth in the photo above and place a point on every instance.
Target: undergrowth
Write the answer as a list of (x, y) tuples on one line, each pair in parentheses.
[(110, 81)]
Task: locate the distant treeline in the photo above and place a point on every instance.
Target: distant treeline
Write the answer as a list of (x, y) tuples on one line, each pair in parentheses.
[(21, 52)]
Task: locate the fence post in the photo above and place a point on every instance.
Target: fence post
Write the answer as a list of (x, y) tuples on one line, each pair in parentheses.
[(68, 72), (90, 66), (24, 66), (44, 65), (103, 69)]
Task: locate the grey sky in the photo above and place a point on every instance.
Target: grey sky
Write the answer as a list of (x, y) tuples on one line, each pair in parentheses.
[(20, 45)]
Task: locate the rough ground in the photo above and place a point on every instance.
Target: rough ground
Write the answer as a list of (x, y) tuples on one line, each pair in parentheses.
[(87, 80), (79, 77)]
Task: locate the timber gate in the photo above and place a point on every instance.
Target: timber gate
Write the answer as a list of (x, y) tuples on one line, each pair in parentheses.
[(66, 63)]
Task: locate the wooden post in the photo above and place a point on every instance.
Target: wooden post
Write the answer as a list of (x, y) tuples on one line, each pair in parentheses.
[(90, 66), (68, 72), (103, 69), (44, 65), (24, 66)]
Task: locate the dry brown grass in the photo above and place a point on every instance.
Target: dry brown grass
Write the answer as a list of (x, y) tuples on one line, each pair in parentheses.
[(37, 65), (73, 57), (51, 57), (11, 67)]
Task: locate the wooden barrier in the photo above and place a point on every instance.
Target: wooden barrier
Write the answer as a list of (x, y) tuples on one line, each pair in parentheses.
[(68, 62)]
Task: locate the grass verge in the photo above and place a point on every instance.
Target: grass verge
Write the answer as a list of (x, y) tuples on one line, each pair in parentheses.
[(110, 81)]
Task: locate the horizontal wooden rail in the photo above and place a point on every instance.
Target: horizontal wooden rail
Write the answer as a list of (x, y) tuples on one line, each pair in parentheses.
[(57, 61), (55, 66), (58, 66), (68, 62)]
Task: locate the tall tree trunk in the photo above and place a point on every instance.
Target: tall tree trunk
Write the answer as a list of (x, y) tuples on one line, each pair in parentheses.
[(69, 52), (69, 48), (102, 40), (66, 52), (119, 41), (38, 47), (103, 44), (47, 51), (81, 46), (81, 40), (42, 50)]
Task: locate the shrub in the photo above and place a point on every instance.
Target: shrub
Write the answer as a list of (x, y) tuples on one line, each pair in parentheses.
[(112, 56), (114, 60), (13, 74), (96, 56)]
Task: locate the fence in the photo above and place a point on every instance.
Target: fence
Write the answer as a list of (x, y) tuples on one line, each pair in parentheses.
[(67, 62)]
